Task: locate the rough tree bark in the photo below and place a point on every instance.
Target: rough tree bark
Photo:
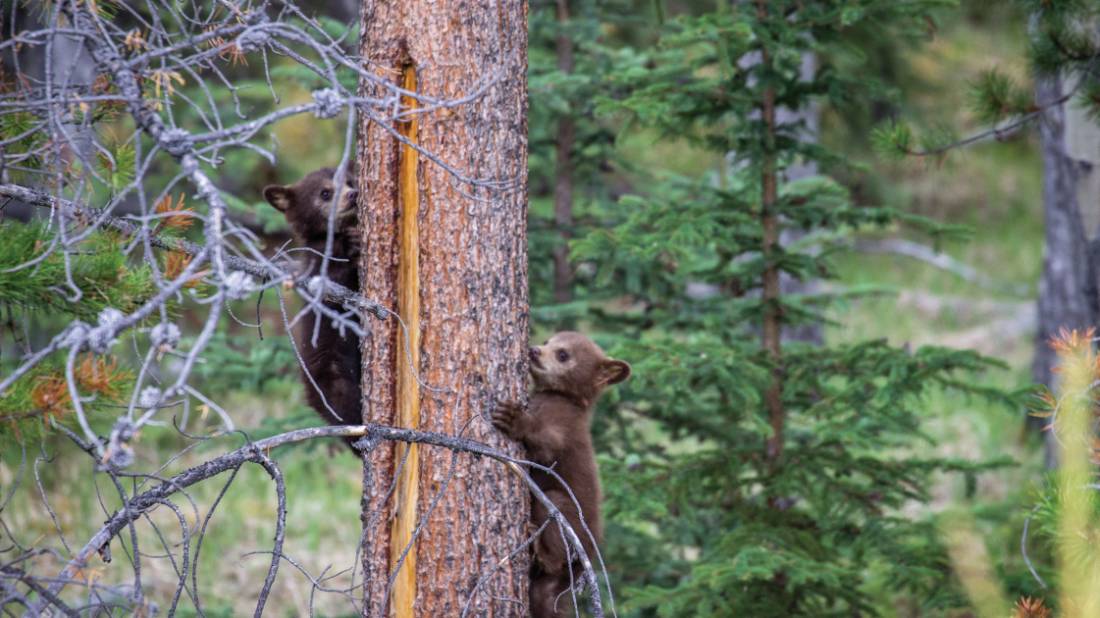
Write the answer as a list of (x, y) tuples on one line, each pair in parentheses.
[(451, 258)]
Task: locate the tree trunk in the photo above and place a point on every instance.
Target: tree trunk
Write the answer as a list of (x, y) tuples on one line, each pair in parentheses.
[(772, 327), (451, 258), (1064, 298)]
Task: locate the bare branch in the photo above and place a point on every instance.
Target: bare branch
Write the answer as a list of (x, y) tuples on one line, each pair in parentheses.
[(254, 452)]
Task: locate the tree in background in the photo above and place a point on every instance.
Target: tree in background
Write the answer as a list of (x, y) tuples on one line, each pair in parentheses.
[(1065, 55), (748, 475), (1064, 52), (1066, 59)]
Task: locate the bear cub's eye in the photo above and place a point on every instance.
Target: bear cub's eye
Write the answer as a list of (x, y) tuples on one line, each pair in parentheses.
[(562, 356), (326, 194)]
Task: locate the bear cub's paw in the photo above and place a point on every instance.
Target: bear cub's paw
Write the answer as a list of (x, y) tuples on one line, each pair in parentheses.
[(508, 417)]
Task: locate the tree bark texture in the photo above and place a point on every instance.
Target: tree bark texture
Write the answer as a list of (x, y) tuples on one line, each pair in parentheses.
[(1067, 288), (450, 257), (1062, 299)]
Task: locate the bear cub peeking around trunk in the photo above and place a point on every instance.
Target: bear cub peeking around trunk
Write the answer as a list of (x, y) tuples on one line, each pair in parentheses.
[(569, 372), (334, 362)]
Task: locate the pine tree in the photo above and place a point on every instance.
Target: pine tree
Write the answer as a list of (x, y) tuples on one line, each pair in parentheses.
[(108, 283), (745, 476)]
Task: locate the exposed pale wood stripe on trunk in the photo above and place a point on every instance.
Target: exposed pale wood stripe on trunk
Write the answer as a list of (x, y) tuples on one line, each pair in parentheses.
[(403, 596), (471, 290)]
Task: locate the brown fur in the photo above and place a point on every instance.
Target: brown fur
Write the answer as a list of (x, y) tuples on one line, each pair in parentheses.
[(334, 363), (569, 372)]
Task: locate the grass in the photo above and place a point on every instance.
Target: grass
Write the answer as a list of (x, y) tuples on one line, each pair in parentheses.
[(322, 534)]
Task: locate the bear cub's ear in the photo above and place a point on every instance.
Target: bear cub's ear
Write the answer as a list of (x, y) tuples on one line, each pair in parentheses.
[(613, 371), (278, 196)]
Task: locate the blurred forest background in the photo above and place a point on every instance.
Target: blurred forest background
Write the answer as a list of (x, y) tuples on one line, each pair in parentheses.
[(943, 251)]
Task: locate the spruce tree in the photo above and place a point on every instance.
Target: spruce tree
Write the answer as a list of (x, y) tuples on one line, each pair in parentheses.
[(745, 475)]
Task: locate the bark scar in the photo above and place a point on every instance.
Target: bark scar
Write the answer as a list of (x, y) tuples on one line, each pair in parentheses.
[(402, 545)]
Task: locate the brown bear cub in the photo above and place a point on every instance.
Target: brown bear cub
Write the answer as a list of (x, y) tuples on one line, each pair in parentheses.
[(334, 362), (569, 372)]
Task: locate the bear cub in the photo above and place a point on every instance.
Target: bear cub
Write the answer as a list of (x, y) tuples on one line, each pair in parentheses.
[(334, 362), (568, 372)]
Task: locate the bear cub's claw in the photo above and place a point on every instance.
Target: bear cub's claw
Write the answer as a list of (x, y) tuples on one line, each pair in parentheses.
[(506, 417)]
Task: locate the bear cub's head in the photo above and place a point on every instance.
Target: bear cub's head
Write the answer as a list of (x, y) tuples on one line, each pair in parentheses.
[(571, 363), (307, 203)]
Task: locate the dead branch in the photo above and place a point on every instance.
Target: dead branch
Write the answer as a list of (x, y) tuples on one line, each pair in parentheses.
[(256, 452)]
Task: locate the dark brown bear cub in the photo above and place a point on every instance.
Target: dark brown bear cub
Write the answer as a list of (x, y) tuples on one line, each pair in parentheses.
[(334, 361), (569, 372)]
